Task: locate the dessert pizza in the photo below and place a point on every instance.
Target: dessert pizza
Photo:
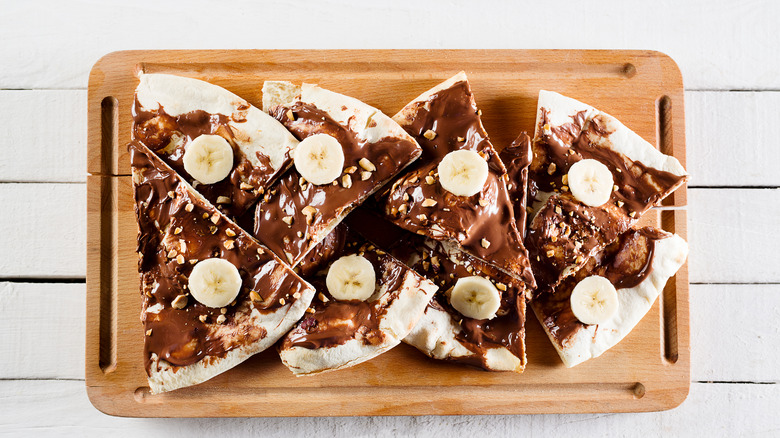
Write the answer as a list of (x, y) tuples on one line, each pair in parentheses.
[(457, 192), (212, 294), (226, 148), (367, 301), (348, 150), (590, 180)]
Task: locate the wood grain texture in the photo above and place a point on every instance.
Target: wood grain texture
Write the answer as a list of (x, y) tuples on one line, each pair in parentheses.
[(652, 371), (43, 136), (43, 230), (30, 310), (57, 408), (733, 138), (718, 44)]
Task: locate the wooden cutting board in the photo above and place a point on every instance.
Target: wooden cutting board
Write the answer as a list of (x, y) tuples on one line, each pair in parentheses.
[(648, 371)]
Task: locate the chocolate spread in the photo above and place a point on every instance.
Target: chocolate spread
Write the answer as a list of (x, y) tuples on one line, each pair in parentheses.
[(517, 158), (625, 263), (168, 136), (295, 214), (335, 322), (483, 224), (565, 232), (177, 228)]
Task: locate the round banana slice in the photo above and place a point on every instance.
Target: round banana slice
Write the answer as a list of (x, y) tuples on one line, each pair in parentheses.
[(208, 158), (590, 182), (463, 173), (475, 297), (319, 159), (215, 282), (594, 300), (351, 277)]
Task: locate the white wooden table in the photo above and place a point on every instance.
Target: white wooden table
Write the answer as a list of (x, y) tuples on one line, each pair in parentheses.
[(730, 58)]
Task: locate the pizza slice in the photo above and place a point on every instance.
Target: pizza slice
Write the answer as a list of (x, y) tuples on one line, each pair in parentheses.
[(226, 148), (212, 294), (348, 150), (367, 302), (591, 178), (477, 317), (595, 308), (458, 192)]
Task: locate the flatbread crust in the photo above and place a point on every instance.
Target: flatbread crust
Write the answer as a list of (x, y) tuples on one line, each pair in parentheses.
[(365, 132), (589, 341), (262, 145), (398, 303), (247, 328)]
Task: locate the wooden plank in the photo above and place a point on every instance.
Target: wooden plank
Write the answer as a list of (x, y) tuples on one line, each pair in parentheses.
[(45, 136), (43, 230), (732, 235), (724, 224), (708, 40), (725, 131), (57, 310), (734, 332), (43, 330), (732, 138), (61, 408)]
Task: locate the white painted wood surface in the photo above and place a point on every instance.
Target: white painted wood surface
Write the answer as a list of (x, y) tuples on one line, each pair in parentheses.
[(727, 51)]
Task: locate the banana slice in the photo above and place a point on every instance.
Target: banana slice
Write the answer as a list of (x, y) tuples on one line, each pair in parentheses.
[(215, 282), (594, 300), (590, 182), (475, 297), (319, 159), (463, 173), (208, 158), (351, 277)]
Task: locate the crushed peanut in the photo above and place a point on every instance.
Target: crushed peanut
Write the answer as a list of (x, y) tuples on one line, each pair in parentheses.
[(485, 243), (430, 135), (430, 180), (223, 200), (366, 164), (221, 319), (350, 169), (346, 181), (230, 232), (179, 302), (229, 244), (428, 202), (288, 220)]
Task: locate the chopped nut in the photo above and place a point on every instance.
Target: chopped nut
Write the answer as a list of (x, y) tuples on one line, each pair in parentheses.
[(205, 216), (413, 180), (632, 214), (179, 302), (299, 234), (564, 188), (483, 202), (290, 115), (346, 181), (565, 179), (309, 212), (405, 197), (213, 229), (180, 259), (615, 188), (260, 251), (254, 296), (435, 261), (366, 164), (221, 319), (479, 112), (289, 257), (351, 169), (550, 253), (171, 194), (402, 208), (428, 202), (297, 295), (461, 139), (310, 310), (288, 220), (551, 168), (430, 135), (553, 239), (223, 310), (215, 218), (430, 180), (223, 200), (322, 297), (228, 244), (501, 286), (203, 318), (182, 245), (230, 232), (620, 203), (558, 210), (177, 230), (193, 261), (485, 243), (365, 175), (245, 186), (281, 301), (579, 259), (172, 254), (422, 217)]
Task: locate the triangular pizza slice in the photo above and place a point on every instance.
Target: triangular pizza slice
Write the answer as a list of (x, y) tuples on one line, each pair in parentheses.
[(212, 294)]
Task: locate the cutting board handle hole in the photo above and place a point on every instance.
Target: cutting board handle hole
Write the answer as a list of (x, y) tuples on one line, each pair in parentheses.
[(109, 132)]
